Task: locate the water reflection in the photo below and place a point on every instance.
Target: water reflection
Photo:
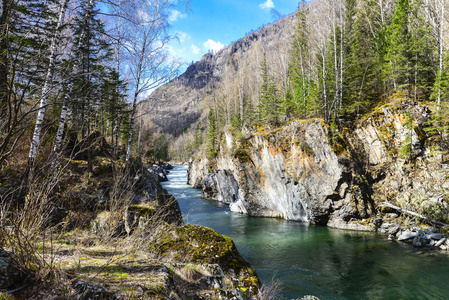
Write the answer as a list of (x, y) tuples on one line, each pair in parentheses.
[(328, 263)]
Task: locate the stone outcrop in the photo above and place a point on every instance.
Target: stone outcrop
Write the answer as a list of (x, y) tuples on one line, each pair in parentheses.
[(306, 171), (9, 273), (221, 186), (291, 172), (160, 172), (198, 169)]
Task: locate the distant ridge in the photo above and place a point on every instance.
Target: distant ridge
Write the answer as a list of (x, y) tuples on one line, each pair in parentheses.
[(182, 102)]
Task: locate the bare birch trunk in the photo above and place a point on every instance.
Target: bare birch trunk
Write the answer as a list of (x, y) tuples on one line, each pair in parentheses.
[(334, 27), (440, 54), (343, 31), (62, 119), (47, 85), (324, 87)]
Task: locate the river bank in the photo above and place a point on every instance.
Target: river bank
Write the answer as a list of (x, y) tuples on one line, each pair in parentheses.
[(116, 234), (384, 172), (306, 259)]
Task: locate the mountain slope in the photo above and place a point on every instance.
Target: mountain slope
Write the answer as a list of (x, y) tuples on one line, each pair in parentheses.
[(180, 103)]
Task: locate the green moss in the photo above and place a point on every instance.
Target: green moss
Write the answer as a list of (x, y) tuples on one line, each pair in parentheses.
[(6, 296), (201, 245), (242, 155), (143, 210), (306, 149)]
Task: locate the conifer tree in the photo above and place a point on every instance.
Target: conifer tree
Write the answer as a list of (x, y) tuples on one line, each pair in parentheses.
[(211, 135)]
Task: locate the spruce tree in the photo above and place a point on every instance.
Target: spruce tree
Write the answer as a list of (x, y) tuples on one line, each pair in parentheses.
[(211, 135)]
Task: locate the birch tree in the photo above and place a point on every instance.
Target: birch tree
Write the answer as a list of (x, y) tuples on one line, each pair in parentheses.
[(88, 10), (47, 83), (149, 62)]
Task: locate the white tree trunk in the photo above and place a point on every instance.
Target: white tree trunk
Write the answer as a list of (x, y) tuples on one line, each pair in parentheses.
[(47, 84), (440, 54), (62, 119)]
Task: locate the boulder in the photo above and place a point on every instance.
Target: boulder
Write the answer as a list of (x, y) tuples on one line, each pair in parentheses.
[(136, 216), (435, 236), (221, 186), (168, 209), (407, 235), (419, 241), (393, 230), (9, 272), (440, 242), (107, 224), (160, 172)]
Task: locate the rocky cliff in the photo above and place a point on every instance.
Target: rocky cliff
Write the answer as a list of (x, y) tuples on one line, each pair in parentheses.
[(335, 176)]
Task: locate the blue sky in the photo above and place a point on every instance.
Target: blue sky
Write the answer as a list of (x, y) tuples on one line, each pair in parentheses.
[(213, 24)]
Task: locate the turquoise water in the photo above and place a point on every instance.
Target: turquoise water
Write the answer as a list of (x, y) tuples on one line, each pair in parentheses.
[(312, 260)]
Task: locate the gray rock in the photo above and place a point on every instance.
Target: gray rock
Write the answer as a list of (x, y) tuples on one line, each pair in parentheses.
[(221, 186), (419, 241), (9, 273), (212, 282), (160, 172), (435, 236), (393, 230), (440, 242), (86, 290), (407, 235)]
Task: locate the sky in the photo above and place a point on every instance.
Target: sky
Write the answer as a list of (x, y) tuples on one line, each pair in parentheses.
[(214, 24)]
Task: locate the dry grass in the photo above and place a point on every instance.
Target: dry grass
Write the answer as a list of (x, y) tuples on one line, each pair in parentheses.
[(271, 291)]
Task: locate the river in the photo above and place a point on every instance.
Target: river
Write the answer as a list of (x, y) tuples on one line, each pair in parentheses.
[(313, 260)]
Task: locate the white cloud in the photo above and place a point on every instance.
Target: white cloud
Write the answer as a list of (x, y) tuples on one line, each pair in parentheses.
[(195, 49), (143, 16), (214, 46), (175, 15), (267, 5), (182, 36)]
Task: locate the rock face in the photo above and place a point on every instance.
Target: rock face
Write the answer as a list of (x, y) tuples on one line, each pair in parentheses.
[(198, 169), (9, 274), (221, 186), (291, 173), (304, 172)]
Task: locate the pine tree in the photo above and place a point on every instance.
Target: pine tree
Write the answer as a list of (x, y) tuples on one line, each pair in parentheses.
[(269, 108), (299, 69), (398, 68), (211, 135), (364, 53)]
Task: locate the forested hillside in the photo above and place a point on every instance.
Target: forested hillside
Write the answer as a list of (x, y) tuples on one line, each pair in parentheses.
[(334, 60)]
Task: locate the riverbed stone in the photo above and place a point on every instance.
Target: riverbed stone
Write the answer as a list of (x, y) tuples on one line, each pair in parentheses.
[(407, 235), (9, 273), (440, 242), (435, 236), (393, 230)]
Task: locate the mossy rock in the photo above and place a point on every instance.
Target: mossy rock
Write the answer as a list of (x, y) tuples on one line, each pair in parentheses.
[(107, 224), (138, 215), (202, 245), (168, 208), (242, 155)]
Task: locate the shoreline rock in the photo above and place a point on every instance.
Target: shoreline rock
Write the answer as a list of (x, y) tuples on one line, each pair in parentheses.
[(338, 177)]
